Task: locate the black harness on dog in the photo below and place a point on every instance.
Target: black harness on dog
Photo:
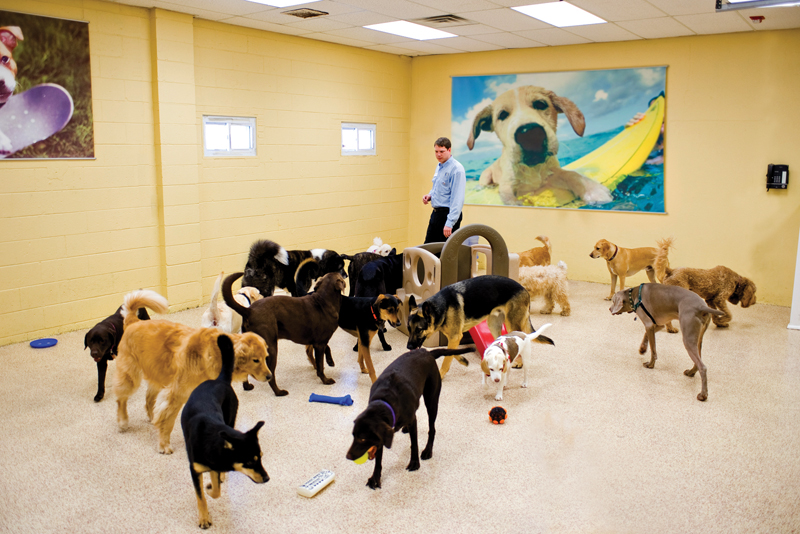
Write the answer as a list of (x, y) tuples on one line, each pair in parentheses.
[(638, 303)]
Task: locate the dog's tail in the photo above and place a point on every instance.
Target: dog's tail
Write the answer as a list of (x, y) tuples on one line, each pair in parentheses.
[(456, 353), (546, 241), (227, 295), (539, 338), (143, 298), (712, 311), (226, 349), (264, 248), (213, 307), (561, 265), (661, 265), (306, 272), (533, 336)]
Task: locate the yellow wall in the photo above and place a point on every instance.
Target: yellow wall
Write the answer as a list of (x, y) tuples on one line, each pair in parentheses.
[(151, 212), (731, 110)]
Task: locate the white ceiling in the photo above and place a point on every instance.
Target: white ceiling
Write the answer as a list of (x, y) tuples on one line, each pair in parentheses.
[(491, 24)]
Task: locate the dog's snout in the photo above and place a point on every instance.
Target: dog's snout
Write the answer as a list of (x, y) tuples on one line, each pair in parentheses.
[(531, 137)]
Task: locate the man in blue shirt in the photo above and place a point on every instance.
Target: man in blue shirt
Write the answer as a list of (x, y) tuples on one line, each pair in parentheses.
[(447, 194)]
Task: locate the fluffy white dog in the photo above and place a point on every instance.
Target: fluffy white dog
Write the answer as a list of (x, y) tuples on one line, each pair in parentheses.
[(549, 282), (219, 315), (378, 247), (498, 357)]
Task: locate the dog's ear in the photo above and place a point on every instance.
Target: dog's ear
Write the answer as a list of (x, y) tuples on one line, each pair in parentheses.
[(412, 303), (483, 121), (9, 36), (568, 108), (86, 341), (484, 366), (256, 428), (427, 309), (387, 435)]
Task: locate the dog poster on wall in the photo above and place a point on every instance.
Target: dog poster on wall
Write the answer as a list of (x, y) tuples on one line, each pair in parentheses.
[(580, 140), (45, 88)]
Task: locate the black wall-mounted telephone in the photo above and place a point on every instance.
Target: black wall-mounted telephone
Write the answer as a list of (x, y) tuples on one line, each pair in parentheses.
[(777, 176)]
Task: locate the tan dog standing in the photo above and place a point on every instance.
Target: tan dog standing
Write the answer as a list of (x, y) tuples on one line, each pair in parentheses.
[(623, 262), (525, 120), (9, 35), (537, 255)]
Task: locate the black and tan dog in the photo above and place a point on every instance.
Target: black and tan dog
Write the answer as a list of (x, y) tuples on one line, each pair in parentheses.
[(657, 305), (383, 275), (102, 340), (393, 404), (269, 265), (309, 320), (213, 446), (460, 306), (362, 317)]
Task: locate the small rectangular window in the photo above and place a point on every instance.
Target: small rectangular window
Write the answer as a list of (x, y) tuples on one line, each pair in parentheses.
[(358, 139), (229, 136)]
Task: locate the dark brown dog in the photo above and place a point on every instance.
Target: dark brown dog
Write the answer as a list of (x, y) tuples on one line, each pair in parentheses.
[(269, 265), (102, 340), (309, 320), (393, 404)]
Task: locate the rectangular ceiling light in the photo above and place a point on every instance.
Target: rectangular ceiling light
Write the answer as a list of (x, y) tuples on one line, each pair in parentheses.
[(410, 30), (750, 4), (559, 14), (282, 3)]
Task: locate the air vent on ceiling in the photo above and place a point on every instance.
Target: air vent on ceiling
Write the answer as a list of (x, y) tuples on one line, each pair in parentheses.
[(444, 20), (305, 13)]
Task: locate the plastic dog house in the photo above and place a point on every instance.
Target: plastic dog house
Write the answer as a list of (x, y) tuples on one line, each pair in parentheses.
[(428, 268)]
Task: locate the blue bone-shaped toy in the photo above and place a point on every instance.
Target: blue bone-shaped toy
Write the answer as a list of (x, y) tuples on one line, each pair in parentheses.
[(344, 401)]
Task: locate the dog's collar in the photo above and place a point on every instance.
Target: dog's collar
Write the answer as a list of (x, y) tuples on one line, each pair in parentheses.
[(114, 328), (247, 299), (394, 417), (635, 305), (372, 309), (616, 249)]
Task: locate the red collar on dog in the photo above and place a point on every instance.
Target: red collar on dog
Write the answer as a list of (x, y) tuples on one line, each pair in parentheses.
[(615, 253), (372, 309)]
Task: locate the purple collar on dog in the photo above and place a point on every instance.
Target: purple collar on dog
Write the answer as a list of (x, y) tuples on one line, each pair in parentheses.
[(394, 417)]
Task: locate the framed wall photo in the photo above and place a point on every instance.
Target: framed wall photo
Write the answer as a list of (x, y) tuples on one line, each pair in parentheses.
[(45, 88), (577, 140)]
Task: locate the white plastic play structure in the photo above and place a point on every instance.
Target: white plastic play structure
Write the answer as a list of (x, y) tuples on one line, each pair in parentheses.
[(430, 267)]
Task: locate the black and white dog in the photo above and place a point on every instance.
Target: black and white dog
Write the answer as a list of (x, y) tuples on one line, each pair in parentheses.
[(269, 265)]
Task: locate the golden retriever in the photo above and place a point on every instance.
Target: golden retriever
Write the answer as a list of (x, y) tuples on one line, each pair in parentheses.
[(623, 262), (537, 255), (525, 121), (174, 359)]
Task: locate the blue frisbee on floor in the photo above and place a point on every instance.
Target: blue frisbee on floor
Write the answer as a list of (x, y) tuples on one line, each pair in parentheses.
[(43, 343)]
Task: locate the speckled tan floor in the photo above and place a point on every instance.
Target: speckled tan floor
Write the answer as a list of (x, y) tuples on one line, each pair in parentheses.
[(596, 444)]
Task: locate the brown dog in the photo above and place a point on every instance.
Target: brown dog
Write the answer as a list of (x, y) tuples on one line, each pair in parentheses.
[(174, 359), (9, 35), (656, 305), (716, 286), (308, 320), (538, 255), (623, 262)]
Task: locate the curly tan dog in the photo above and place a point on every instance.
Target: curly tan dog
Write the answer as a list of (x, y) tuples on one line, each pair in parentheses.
[(536, 255), (548, 282), (623, 262), (174, 359)]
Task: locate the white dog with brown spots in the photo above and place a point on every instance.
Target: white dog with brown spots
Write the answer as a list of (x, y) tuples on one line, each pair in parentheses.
[(501, 354)]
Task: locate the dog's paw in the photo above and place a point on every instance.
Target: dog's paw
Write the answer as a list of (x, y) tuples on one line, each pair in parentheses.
[(565, 313), (374, 482), (524, 385), (671, 329), (247, 386), (517, 364), (427, 454), (328, 381), (123, 425), (609, 298), (99, 396), (386, 347), (649, 365), (546, 312), (164, 449), (702, 396), (596, 193), (413, 465), (498, 397), (204, 523)]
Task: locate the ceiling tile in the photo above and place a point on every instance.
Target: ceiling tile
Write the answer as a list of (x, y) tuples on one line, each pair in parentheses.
[(614, 10), (729, 21), (400, 9), (362, 18), (506, 20), (656, 28), (684, 7), (508, 40), (775, 18), (338, 39), (602, 33), (370, 36), (392, 49), (267, 26), (553, 37), (466, 44), (318, 24)]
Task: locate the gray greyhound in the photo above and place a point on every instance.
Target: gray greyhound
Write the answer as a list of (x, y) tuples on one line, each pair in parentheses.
[(656, 305)]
